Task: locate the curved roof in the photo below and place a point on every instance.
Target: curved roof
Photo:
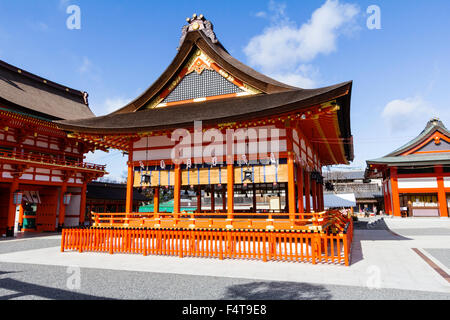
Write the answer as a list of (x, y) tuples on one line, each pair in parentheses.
[(26, 92), (212, 112)]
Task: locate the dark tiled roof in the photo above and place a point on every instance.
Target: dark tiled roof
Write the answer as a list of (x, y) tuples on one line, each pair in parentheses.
[(111, 191), (416, 159), (24, 91), (211, 112), (344, 175), (332, 200)]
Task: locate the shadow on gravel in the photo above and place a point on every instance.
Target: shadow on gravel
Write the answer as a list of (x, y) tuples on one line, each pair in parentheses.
[(23, 289), (277, 291)]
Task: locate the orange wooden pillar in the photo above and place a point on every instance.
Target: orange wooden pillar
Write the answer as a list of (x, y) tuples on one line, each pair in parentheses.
[(385, 194), (230, 190), (291, 174), (130, 182), (300, 189), (395, 193), (442, 198), (291, 186), (177, 190), (21, 215), (83, 203), (62, 207), (307, 191), (156, 201), (11, 209)]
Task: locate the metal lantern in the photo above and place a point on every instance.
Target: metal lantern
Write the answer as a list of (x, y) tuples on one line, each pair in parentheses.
[(248, 176), (67, 198), (18, 196), (146, 178)]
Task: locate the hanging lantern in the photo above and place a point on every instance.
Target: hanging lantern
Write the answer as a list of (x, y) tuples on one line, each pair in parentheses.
[(146, 178), (67, 198), (248, 175), (18, 196)]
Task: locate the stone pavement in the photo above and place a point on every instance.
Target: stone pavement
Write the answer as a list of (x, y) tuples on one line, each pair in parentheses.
[(383, 260)]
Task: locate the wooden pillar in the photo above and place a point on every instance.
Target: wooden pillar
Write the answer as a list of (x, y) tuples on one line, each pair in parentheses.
[(156, 201), (177, 190), (291, 174), (130, 182), (307, 191), (314, 194), (386, 209), (254, 198), (230, 190), (199, 199), (395, 193), (442, 197), (300, 202), (62, 207), (21, 216), (83, 203), (12, 209), (224, 199), (291, 186), (213, 198), (320, 197)]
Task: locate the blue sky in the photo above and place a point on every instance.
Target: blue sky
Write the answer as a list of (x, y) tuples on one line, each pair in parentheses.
[(401, 73)]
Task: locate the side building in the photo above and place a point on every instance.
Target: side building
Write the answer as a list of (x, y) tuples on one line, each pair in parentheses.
[(367, 193), (43, 176), (416, 177)]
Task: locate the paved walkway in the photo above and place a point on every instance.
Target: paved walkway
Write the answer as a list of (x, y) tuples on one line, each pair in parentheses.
[(384, 266)]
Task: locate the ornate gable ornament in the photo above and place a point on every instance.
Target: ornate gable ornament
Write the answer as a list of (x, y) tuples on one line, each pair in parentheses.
[(198, 23)]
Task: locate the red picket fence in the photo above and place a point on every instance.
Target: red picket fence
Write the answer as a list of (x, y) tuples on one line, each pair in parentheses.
[(276, 245)]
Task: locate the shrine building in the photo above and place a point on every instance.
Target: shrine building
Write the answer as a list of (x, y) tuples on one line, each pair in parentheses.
[(43, 176), (416, 177), (211, 124)]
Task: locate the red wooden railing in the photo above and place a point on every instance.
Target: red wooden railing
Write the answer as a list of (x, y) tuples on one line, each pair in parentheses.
[(266, 245), (48, 160)]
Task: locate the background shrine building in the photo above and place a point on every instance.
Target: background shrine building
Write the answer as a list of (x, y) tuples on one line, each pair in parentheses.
[(42, 173), (416, 177)]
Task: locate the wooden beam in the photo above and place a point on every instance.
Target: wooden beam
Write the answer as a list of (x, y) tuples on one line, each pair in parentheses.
[(395, 193), (230, 190), (442, 197), (177, 190), (300, 185)]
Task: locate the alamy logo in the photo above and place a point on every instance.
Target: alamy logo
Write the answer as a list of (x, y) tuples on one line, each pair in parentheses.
[(73, 22), (374, 19), (74, 280)]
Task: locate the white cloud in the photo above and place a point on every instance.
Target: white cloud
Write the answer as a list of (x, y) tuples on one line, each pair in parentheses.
[(302, 77), (86, 66), (402, 114), (261, 14), (283, 46), (112, 104)]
